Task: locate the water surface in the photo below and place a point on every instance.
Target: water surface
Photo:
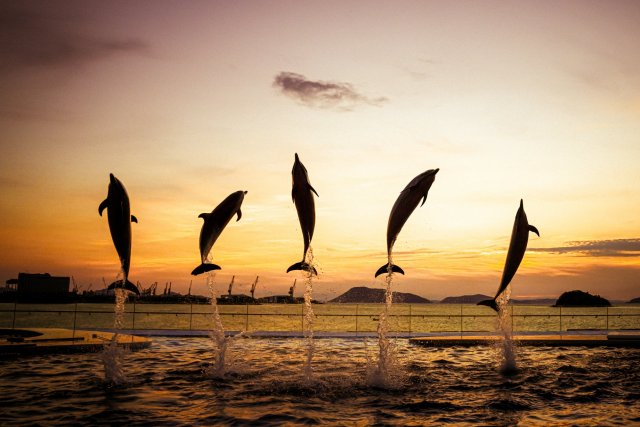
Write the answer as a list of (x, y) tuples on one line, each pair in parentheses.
[(264, 385)]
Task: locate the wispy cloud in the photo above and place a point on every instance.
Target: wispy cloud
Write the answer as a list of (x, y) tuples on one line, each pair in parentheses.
[(597, 248), (322, 94), (31, 39)]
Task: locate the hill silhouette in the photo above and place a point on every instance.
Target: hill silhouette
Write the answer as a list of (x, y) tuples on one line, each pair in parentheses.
[(364, 295), (581, 299)]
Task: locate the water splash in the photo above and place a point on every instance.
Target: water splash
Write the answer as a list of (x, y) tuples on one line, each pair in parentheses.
[(384, 372), (309, 317), (508, 363), (113, 355), (222, 356)]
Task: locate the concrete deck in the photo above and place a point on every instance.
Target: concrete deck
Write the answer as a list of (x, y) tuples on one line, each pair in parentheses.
[(612, 339), (51, 340)]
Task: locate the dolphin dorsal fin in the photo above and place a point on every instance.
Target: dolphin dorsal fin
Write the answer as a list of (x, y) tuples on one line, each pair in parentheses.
[(134, 219), (239, 212), (534, 229), (204, 216), (313, 189), (103, 206)]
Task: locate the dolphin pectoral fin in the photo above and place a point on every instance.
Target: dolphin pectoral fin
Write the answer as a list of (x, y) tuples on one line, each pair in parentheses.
[(102, 206), (128, 286), (489, 303), (534, 229), (202, 268), (204, 216), (239, 215), (385, 269), (313, 189), (304, 267), (134, 219), (424, 199)]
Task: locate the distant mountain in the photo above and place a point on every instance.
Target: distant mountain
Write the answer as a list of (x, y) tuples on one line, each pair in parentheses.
[(635, 301), (534, 301), (474, 299), (364, 295), (465, 299), (581, 299)]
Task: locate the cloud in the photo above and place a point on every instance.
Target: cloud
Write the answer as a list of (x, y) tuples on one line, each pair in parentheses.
[(32, 39), (597, 248), (321, 94)]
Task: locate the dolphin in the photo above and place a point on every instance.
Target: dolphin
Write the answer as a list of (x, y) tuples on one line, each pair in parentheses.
[(517, 248), (303, 199), (213, 225), (120, 219), (406, 203)]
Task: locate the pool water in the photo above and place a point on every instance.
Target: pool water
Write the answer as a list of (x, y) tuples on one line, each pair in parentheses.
[(264, 384)]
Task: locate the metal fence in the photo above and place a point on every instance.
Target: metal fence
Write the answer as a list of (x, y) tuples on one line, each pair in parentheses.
[(350, 318)]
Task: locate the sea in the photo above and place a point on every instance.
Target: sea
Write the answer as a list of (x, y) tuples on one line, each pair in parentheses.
[(171, 383)]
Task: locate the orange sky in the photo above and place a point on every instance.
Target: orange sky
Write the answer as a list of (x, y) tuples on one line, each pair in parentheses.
[(187, 103)]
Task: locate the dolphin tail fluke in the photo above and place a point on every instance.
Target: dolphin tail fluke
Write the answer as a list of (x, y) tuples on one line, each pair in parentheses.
[(304, 267), (490, 303), (385, 269), (128, 286), (203, 268)]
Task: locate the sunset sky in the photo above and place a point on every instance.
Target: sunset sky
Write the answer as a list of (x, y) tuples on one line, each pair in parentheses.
[(187, 102)]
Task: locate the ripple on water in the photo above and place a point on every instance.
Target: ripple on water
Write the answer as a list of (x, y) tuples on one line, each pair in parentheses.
[(167, 385)]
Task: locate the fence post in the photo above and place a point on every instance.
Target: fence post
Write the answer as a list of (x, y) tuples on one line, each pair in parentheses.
[(190, 315), (461, 326), (512, 317), (410, 319), (607, 318), (133, 316), (302, 319), (246, 320), (560, 320), (75, 315), (356, 319), (13, 324)]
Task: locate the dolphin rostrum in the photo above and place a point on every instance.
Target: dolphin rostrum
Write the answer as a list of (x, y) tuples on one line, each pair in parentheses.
[(406, 203), (517, 248), (120, 219), (214, 223), (303, 199)]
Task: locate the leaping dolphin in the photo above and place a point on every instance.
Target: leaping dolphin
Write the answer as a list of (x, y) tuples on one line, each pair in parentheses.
[(406, 203), (303, 199), (517, 248), (120, 219), (214, 223)]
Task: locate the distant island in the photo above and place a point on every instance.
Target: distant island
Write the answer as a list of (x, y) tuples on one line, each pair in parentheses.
[(465, 299), (476, 298), (634, 301), (364, 295), (581, 299)]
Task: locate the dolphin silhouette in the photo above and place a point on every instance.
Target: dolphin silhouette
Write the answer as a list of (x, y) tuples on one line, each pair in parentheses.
[(120, 219), (213, 225), (406, 203), (303, 199), (517, 248)]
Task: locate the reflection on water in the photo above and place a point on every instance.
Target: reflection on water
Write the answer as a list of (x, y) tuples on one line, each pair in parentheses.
[(456, 386)]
